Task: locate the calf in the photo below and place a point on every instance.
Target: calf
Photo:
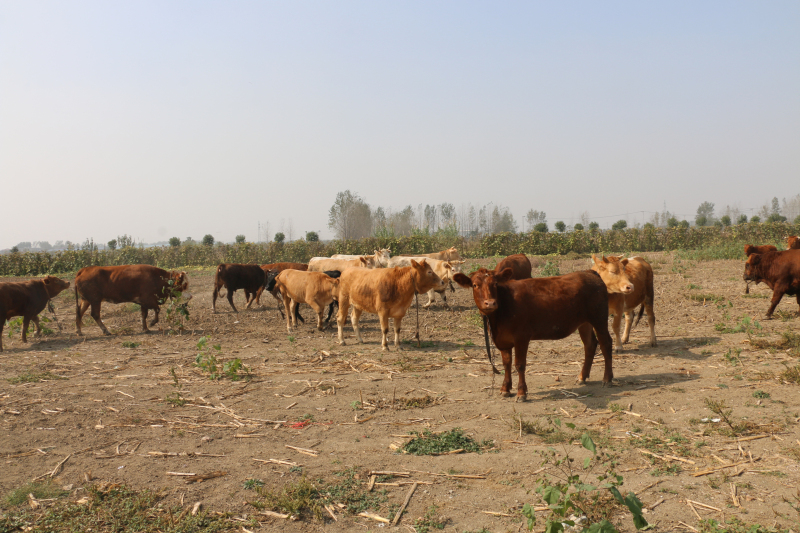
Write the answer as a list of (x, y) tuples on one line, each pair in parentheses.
[(27, 299), (387, 292), (779, 270), (313, 288), (145, 285), (235, 276), (793, 243), (443, 269), (629, 283), (278, 267), (750, 249), (451, 254), (380, 257), (519, 311), (321, 264)]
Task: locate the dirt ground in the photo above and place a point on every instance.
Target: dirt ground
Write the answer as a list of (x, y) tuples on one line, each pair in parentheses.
[(105, 405)]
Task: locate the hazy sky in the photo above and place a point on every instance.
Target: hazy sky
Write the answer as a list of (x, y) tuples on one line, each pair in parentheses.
[(181, 118)]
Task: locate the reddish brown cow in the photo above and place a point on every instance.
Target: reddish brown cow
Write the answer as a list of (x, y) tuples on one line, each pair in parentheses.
[(750, 249), (235, 276), (27, 299), (779, 270), (519, 264), (520, 311), (145, 285), (793, 242), (275, 268)]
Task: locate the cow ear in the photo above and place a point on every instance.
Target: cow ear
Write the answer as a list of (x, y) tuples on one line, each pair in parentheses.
[(597, 261), (414, 263), (505, 275), (448, 266), (624, 262), (463, 280), (46, 280)]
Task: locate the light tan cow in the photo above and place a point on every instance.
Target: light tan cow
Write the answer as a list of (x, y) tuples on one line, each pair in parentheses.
[(381, 257), (313, 288), (629, 283), (321, 264), (444, 269), (387, 292), (451, 254)]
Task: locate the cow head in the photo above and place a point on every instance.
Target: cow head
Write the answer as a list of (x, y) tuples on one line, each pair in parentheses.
[(382, 257), (269, 279), (54, 285), (452, 254), (180, 281), (793, 242), (484, 287), (424, 277), (612, 272), (367, 261), (752, 270)]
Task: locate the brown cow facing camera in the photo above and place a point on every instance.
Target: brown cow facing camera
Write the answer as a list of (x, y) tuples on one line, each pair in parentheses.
[(145, 285), (552, 308), (793, 242), (779, 270), (27, 299), (630, 283)]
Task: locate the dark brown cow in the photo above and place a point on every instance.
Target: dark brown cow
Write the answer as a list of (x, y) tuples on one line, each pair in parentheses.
[(750, 249), (145, 285), (519, 264), (779, 270), (793, 242), (235, 276), (278, 267), (520, 311), (27, 299)]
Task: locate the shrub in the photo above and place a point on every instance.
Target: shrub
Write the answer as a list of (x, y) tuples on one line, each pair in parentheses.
[(755, 219), (112, 244), (541, 227), (742, 219), (578, 227), (312, 236), (672, 222), (594, 225), (726, 220), (208, 240), (619, 224), (700, 220), (279, 237), (239, 239), (683, 224), (560, 226), (174, 242)]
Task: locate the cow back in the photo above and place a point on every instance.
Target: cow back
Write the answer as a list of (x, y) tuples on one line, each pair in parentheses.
[(519, 264)]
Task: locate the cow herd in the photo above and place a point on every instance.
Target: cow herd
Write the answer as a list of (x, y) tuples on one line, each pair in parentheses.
[(516, 308)]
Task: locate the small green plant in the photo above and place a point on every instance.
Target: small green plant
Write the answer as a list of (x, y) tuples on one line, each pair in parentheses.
[(207, 361), (175, 397), (176, 313), (427, 443), (34, 377), (15, 326), (253, 484), (40, 491), (291, 338), (760, 394), (431, 520), (355, 405), (130, 344), (550, 268), (791, 374), (732, 356)]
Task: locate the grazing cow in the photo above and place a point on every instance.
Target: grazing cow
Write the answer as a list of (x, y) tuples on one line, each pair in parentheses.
[(387, 292), (278, 267), (145, 285), (451, 254), (750, 249), (27, 299), (793, 243), (321, 264), (519, 311), (519, 264), (313, 288), (443, 269), (381, 257), (630, 283), (779, 270), (235, 276)]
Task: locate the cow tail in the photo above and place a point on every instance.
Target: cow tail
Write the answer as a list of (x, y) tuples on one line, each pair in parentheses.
[(649, 296), (638, 318), (77, 301), (488, 346)]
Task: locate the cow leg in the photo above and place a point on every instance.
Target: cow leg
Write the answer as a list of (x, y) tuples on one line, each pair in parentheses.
[(589, 348), (341, 316), (80, 310), (628, 324), (35, 321), (247, 300), (604, 339), (258, 295), (616, 326), (398, 322), (320, 310), (230, 300), (798, 304), (777, 294), (280, 301), (96, 315), (651, 321), (26, 322), (355, 316), (330, 310), (143, 309), (288, 305), (214, 295), (431, 299), (2, 325), (156, 311), (505, 388), (520, 363)]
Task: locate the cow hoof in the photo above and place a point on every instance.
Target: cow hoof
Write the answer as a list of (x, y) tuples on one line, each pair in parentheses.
[(522, 398), (580, 381), (505, 394)]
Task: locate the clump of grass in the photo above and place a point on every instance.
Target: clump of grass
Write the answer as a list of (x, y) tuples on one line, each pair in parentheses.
[(34, 377), (791, 374), (706, 297), (130, 344), (761, 395), (666, 470), (431, 520), (722, 410), (733, 525), (789, 341), (253, 484), (526, 427), (300, 499), (550, 268), (417, 403), (428, 443), (40, 491)]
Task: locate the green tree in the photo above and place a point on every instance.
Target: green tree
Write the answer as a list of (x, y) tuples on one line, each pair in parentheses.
[(541, 227), (594, 226), (279, 237), (350, 217), (700, 220), (112, 244), (755, 218), (776, 217), (560, 226), (705, 213), (174, 242), (726, 220), (312, 236), (123, 241), (578, 227), (208, 240), (742, 219), (649, 225), (15, 249), (619, 224), (672, 222), (797, 220), (240, 239), (683, 224)]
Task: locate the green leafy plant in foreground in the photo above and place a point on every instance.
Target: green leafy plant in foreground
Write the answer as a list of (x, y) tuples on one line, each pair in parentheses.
[(427, 443), (572, 494), (176, 312), (15, 326), (208, 361)]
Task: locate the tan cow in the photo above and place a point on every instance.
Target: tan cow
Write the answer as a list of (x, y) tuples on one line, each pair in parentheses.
[(387, 292), (444, 269), (380, 257), (629, 283), (313, 288), (451, 254), (321, 264)]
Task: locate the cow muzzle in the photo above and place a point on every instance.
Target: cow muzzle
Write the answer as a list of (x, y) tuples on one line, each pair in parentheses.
[(489, 306)]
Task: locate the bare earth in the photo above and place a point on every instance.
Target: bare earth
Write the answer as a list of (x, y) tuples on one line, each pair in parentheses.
[(111, 417)]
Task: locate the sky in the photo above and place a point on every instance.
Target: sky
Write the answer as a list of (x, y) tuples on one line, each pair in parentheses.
[(185, 118)]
